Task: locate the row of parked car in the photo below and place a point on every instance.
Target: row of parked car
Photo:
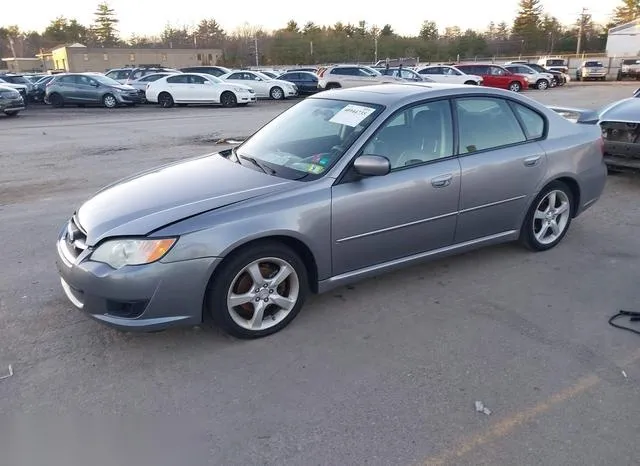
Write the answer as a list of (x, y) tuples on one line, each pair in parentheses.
[(219, 85)]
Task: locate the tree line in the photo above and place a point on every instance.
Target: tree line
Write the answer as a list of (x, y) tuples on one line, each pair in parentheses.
[(533, 32)]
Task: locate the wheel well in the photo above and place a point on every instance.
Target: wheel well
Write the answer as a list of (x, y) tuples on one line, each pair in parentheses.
[(575, 190), (296, 245), (333, 84)]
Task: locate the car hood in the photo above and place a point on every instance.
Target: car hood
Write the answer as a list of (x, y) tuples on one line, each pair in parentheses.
[(626, 110), (150, 200), (124, 87)]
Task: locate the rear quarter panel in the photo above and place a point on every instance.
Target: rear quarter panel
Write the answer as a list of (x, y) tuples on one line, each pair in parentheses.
[(574, 152)]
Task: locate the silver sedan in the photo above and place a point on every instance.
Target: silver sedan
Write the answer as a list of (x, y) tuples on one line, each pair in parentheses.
[(342, 186)]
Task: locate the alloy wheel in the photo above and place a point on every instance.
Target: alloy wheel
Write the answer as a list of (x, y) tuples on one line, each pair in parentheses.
[(263, 294), (551, 217)]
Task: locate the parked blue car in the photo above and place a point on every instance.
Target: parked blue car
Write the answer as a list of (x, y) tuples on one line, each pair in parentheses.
[(306, 81)]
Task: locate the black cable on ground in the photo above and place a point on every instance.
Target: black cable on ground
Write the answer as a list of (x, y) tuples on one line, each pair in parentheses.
[(633, 317)]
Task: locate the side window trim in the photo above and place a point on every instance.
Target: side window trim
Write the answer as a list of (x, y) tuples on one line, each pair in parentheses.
[(545, 122)]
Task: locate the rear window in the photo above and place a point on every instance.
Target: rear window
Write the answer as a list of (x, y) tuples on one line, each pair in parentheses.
[(555, 62), (630, 62), (594, 64)]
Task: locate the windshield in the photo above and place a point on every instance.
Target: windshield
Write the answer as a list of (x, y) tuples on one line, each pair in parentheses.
[(594, 64), (262, 75), (308, 139), (370, 71), (105, 80), (555, 62), (215, 79)]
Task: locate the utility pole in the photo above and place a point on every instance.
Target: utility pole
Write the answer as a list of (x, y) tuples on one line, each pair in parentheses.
[(583, 15), (255, 39), (375, 43)]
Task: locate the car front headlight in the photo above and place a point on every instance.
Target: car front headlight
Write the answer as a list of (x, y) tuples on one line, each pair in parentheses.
[(120, 252), (240, 89)]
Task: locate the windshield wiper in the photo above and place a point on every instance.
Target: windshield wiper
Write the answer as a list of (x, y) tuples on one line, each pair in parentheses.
[(261, 166)]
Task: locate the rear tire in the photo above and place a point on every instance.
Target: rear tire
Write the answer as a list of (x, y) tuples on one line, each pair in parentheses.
[(549, 217), (332, 86), (277, 302), (471, 83), (165, 100), (12, 114), (515, 86)]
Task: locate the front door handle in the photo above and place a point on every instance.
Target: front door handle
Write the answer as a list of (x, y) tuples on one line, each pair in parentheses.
[(531, 161), (441, 181)]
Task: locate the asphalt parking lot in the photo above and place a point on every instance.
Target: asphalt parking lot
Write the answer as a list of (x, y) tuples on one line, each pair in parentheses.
[(385, 372)]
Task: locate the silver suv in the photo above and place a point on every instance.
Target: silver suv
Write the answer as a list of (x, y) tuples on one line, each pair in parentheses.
[(127, 75), (338, 76), (591, 69)]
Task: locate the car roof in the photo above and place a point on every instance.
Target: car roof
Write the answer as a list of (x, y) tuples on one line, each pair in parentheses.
[(404, 93)]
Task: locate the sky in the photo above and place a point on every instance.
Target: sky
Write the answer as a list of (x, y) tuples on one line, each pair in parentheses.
[(150, 18)]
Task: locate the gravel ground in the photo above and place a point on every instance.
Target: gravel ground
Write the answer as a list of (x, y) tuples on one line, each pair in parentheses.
[(385, 372)]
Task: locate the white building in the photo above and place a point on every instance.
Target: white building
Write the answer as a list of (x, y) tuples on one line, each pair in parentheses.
[(624, 40)]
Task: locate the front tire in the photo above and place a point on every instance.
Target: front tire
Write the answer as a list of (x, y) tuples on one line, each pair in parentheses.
[(471, 83), (12, 114), (109, 101), (56, 101), (228, 99), (542, 84), (258, 291), (549, 217), (276, 93)]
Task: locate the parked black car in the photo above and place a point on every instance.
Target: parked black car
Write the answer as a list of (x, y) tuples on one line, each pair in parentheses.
[(40, 88), (306, 81)]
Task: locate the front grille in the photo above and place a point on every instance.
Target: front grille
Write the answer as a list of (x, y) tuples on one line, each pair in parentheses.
[(75, 238)]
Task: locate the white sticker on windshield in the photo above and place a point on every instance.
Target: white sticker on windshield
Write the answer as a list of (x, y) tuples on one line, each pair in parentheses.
[(352, 115)]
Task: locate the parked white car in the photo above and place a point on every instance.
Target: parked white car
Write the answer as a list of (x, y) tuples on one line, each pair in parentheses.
[(141, 83), (263, 85), (534, 78), (345, 76), (197, 88), (449, 74)]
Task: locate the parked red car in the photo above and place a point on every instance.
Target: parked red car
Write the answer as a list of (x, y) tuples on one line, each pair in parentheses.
[(495, 76)]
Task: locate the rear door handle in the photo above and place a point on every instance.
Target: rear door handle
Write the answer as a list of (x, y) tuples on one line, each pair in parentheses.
[(441, 181), (531, 161)]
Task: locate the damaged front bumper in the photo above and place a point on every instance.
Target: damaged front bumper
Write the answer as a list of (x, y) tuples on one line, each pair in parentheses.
[(621, 144)]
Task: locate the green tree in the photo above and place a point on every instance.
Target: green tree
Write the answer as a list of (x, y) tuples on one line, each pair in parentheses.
[(428, 30), (64, 31), (502, 31), (310, 28), (526, 26), (209, 33), (627, 11), (292, 26), (180, 37), (387, 31), (104, 26)]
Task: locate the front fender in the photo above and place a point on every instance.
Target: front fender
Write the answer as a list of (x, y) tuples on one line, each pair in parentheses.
[(303, 215)]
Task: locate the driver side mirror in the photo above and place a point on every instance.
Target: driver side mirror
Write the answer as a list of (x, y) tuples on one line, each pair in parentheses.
[(372, 165)]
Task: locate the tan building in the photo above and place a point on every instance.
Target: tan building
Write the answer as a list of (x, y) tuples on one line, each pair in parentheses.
[(24, 65), (78, 58)]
